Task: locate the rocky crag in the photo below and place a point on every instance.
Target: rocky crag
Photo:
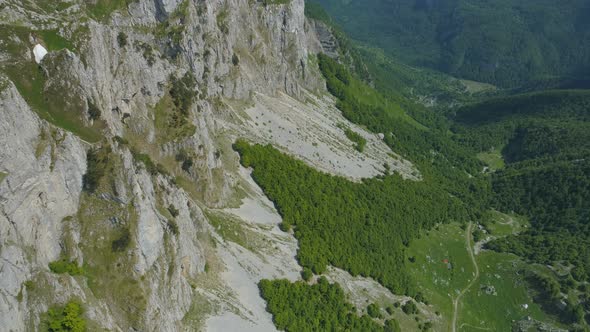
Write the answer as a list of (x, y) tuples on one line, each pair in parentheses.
[(116, 157)]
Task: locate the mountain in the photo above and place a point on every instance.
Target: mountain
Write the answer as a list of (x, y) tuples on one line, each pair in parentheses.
[(117, 169), (506, 43), (241, 165)]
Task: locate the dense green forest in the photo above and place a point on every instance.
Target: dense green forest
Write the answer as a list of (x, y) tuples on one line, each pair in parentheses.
[(361, 227), (365, 227), (544, 139), (562, 115), (505, 42), (411, 130), (319, 307)]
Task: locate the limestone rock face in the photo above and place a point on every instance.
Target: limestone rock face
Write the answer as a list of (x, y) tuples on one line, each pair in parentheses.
[(152, 236), (41, 188)]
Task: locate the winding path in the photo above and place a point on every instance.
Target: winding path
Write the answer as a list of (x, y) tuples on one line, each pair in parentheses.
[(458, 298)]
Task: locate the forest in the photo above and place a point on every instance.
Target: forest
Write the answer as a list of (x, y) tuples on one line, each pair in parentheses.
[(319, 307), (410, 130), (365, 227), (361, 227), (543, 138), (507, 43)]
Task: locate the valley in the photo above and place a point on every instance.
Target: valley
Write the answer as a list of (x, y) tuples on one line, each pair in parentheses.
[(242, 165)]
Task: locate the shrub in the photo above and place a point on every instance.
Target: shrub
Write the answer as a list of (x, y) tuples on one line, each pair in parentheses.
[(64, 266), (374, 311), (121, 141), (97, 161), (121, 243), (187, 164), (392, 325), (122, 39), (173, 210), (182, 92), (306, 274), (410, 308), (93, 110), (67, 318), (235, 60), (359, 141), (390, 310), (419, 297), (150, 166), (173, 226)]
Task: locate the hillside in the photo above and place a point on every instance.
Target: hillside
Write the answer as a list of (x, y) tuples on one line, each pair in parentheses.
[(239, 165), (542, 139), (507, 43)]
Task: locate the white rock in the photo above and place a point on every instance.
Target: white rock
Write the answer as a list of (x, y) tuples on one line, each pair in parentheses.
[(40, 52)]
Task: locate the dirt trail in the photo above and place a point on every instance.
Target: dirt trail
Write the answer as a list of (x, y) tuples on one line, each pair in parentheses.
[(456, 301)]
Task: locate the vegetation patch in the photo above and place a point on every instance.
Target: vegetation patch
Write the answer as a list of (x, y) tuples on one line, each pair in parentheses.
[(426, 142), (3, 176), (173, 110), (66, 318), (145, 159), (492, 158), (59, 106), (232, 229), (66, 266), (361, 227), (319, 307), (108, 228), (102, 9), (99, 163), (359, 141), (222, 22), (501, 296)]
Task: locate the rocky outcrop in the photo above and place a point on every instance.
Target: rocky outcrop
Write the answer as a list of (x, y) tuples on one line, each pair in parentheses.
[(327, 40), (44, 170), (150, 237)]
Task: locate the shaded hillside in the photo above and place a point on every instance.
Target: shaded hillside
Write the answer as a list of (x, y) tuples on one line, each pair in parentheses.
[(503, 42)]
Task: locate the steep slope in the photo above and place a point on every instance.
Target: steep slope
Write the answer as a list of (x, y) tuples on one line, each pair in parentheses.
[(119, 189), (506, 43)]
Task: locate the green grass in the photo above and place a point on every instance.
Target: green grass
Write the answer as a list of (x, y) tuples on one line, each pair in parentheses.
[(171, 124), (102, 9), (477, 310), (496, 312), (475, 87), (359, 141), (500, 224), (30, 81), (275, 2), (109, 273), (66, 318), (65, 266), (51, 104), (3, 176), (234, 230), (432, 275), (493, 159)]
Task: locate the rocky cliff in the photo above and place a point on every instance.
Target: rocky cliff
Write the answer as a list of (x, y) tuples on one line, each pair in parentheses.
[(116, 157)]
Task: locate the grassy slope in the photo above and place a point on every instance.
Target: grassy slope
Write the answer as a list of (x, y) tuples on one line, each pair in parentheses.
[(30, 81), (432, 274), (477, 309)]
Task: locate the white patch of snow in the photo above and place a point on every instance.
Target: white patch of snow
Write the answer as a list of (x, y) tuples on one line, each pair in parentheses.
[(40, 52)]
